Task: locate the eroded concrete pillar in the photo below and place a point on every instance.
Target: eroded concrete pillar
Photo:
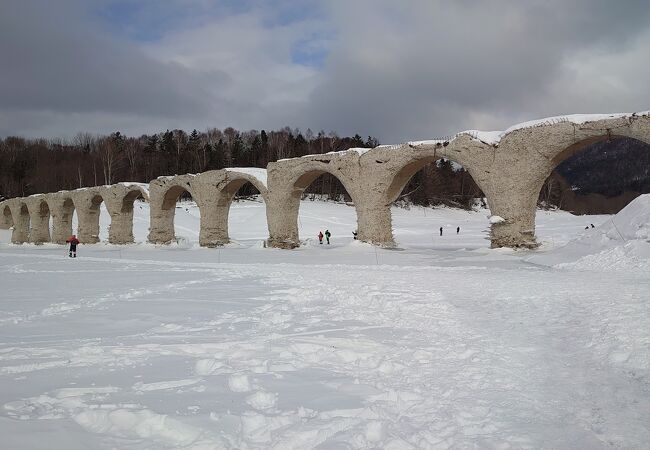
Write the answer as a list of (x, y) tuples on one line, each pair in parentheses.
[(88, 205), (517, 230), (161, 226), (61, 210), (282, 218), (374, 223), (214, 224), (20, 214), (214, 200), (161, 215), (39, 217), (119, 200), (120, 230), (88, 227)]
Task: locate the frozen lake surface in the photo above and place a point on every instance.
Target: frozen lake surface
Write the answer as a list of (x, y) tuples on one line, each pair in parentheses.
[(442, 343)]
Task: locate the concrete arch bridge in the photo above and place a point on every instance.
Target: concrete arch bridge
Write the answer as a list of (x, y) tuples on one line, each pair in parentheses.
[(509, 166)]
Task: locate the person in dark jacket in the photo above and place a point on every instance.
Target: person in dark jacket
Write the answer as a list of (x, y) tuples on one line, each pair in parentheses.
[(327, 236), (457, 230), (73, 241), (440, 231)]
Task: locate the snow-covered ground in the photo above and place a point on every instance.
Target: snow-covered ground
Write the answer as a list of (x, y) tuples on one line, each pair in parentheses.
[(442, 343)]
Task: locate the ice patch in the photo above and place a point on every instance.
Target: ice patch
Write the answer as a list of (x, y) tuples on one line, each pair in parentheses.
[(239, 383), (161, 385), (146, 424), (207, 366), (262, 400)]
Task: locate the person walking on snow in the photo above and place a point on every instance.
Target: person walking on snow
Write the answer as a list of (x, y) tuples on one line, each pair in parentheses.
[(440, 231), (457, 230), (320, 237), (327, 236), (73, 241)]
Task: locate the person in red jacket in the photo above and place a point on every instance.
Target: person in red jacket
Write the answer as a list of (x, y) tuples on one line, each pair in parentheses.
[(73, 241), (320, 237)]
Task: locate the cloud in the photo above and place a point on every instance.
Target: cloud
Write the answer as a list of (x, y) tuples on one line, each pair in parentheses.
[(428, 68), (263, 79), (54, 61), (397, 71)]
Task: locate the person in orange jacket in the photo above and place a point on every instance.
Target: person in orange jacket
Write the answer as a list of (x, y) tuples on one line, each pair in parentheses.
[(73, 241)]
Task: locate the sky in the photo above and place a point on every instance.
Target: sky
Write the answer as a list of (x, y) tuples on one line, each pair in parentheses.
[(397, 71)]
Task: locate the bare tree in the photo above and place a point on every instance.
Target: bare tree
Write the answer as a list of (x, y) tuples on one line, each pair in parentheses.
[(110, 154), (132, 149)]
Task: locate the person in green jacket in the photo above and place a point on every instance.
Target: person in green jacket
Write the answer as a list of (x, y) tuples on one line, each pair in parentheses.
[(327, 236)]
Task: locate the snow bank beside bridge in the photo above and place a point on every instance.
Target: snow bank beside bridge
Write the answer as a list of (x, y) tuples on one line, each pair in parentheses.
[(620, 243)]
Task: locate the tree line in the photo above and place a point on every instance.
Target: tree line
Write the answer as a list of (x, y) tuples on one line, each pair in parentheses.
[(30, 166)]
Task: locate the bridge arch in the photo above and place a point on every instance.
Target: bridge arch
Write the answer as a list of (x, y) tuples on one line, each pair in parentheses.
[(458, 176), (386, 170), (572, 200), (169, 205), (300, 181), (603, 188), (216, 228), (130, 197), (164, 193), (527, 155)]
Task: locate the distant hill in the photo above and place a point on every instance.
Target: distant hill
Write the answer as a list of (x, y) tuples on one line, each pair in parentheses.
[(609, 168), (601, 179)]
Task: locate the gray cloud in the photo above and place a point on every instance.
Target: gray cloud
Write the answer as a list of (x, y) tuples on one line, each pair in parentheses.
[(398, 71), (54, 62), (435, 67)]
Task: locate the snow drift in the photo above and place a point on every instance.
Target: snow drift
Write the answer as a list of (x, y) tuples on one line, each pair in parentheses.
[(621, 243)]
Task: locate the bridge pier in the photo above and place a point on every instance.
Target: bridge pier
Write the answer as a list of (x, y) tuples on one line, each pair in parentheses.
[(517, 227), (119, 200), (87, 203), (20, 214), (214, 223), (61, 210), (120, 231), (282, 211), (39, 218), (374, 223)]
